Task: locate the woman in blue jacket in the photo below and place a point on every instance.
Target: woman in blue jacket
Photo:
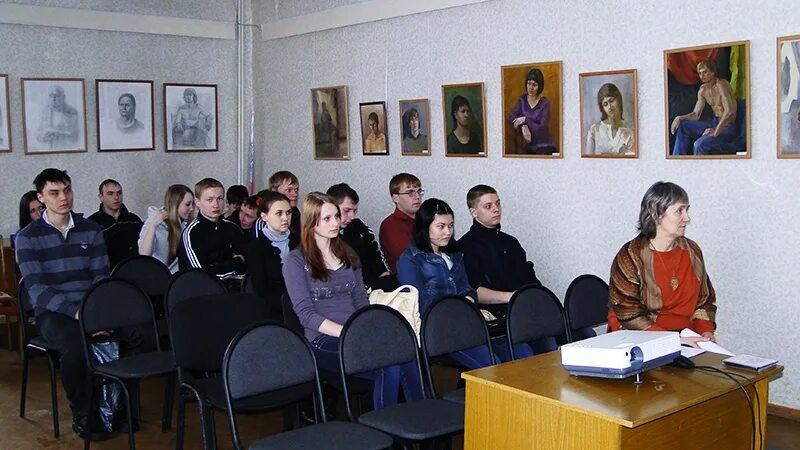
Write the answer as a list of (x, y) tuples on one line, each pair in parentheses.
[(433, 264)]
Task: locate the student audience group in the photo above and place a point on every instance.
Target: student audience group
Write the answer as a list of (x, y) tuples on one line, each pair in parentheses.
[(328, 260)]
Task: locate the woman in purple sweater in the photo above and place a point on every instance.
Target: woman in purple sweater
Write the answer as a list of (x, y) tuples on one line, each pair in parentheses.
[(531, 115), (323, 280)]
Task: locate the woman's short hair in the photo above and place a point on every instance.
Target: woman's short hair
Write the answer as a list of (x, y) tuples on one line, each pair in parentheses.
[(458, 102), (609, 90), (537, 76), (373, 116), (655, 202), (24, 208), (265, 200), (427, 213), (309, 217)]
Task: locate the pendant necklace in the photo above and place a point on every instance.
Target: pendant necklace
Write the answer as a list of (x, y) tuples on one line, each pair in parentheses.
[(673, 282)]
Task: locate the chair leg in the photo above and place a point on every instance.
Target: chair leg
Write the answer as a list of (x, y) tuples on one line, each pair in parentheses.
[(169, 394), (24, 388), (129, 413), (53, 395), (205, 428), (180, 421), (212, 427), (91, 417)]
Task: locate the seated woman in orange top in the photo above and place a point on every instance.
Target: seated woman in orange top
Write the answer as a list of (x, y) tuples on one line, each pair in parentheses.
[(659, 280)]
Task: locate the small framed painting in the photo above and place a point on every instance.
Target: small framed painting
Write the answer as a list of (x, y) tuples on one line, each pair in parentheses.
[(330, 125), (789, 96), (5, 121), (124, 115), (373, 128), (53, 115), (190, 117), (464, 112), (415, 128), (609, 127)]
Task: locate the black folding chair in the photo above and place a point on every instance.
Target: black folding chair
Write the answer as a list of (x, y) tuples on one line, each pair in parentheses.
[(269, 357), (114, 304), (534, 312), (191, 283), (152, 276), (586, 306), (376, 337), (451, 324), (201, 329), (247, 285), (34, 346)]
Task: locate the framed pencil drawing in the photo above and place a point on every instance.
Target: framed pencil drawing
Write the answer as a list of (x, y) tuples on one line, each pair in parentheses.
[(330, 126), (190, 117), (415, 127), (464, 113), (532, 125), (5, 121), (609, 127), (124, 115), (707, 101), (53, 115), (788, 107), (373, 128)]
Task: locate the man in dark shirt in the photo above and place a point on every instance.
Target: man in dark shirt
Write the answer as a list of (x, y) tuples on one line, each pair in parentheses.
[(215, 245), (120, 227), (361, 238), (245, 217)]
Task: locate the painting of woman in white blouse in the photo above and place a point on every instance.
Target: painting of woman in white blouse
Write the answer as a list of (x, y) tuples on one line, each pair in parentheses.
[(614, 133)]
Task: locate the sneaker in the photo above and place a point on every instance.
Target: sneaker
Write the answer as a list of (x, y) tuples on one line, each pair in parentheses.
[(80, 425)]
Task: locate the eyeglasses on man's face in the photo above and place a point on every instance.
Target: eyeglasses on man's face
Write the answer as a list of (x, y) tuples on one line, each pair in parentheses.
[(413, 193)]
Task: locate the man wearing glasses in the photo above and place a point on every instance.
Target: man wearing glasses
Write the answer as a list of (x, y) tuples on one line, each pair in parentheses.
[(398, 228)]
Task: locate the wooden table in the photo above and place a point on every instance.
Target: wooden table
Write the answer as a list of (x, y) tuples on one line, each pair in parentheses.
[(534, 403)]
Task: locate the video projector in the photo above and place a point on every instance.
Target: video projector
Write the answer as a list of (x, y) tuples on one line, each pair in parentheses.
[(620, 354)]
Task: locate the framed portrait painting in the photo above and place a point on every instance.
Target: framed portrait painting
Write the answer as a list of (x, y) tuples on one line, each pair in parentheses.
[(190, 117), (464, 114), (5, 122), (373, 128), (789, 96), (53, 115), (609, 125), (124, 115), (532, 104), (415, 127), (707, 101), (331, 128)]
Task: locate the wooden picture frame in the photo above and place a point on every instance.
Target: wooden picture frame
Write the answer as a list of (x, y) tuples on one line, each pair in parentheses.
[(684, 128), (330, 125), (54, 115), (5, 117), (125, 115), (532, 131), (374, 129), (470, 99), (609, 115), (415, 127), (191, 115), (788, 96)]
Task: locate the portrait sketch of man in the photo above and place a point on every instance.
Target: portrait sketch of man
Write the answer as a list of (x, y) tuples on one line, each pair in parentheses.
[(190, 117), (708, 101), (330, 125), (5, 123), (125, 115), (54, 118)]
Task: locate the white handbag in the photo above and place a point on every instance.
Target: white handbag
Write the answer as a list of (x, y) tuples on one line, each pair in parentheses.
[(406, 303)]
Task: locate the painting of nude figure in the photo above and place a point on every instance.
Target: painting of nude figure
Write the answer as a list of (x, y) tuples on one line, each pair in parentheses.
[(707, 101)]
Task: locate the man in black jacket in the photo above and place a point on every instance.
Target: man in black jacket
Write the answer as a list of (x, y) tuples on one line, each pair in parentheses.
[(215, 245), (120, 227), (359, 236)]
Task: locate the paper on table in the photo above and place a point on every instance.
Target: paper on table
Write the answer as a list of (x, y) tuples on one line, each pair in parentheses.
[(708, 346), (691, 352)]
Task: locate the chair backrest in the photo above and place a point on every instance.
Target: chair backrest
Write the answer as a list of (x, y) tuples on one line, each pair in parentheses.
[(451, 324), (586, 302), (534, 312), (289, 316), (265, 357), (146, 272), (202, 327), (247, 285), (24, 310), (191, 283)]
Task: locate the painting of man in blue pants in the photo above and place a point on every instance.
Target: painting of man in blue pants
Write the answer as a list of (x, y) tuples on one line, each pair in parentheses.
[(696, 137)]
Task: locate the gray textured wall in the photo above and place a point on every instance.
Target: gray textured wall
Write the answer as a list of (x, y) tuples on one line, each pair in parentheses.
[(572, 214), (32, 51)]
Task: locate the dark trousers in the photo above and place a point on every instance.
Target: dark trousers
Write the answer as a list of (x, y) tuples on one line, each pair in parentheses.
[(64, 333)]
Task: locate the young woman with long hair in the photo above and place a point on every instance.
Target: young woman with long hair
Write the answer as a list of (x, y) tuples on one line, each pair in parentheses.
[(162, 230)]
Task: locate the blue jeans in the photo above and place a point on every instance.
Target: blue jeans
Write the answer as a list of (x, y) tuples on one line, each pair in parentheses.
[(690, 136), (387, 380), (478, 357)]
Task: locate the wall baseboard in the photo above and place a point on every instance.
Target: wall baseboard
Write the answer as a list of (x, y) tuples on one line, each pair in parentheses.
[(783, 411)]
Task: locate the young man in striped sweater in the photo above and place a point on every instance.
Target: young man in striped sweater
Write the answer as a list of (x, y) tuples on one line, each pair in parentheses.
[(60, 255)]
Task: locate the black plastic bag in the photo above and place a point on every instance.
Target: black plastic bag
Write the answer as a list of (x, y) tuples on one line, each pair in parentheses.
[(109, 394)]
